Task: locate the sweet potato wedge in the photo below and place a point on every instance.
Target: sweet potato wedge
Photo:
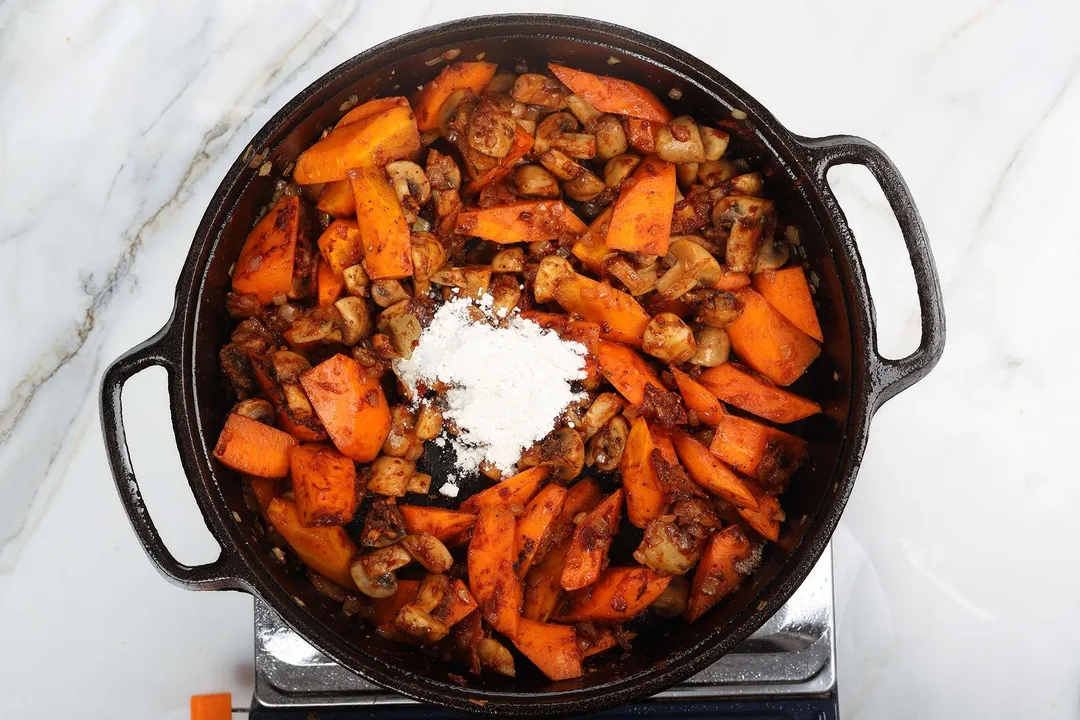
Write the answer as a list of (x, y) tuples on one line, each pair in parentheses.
[(340, 245), (351, 405), (762, 452), (707, 471), (552, 648), (384, 231), (717, 573), (492, 579), (461, 75), (787, 291), (443, 524), (387, 609), (619, 595), (324, 484), (524, 221), (619, 315), (641, 221), (516, 490), (756, 395), (612, 95), (248, 446), (626, 370), (592, 538), (591, 248), (535, 524), (336, 199), (645, 498), (327, 550), (458, 604), (523, 143), (698, 398), (265, 266), (768, 342), (372, 142), (328, 284)]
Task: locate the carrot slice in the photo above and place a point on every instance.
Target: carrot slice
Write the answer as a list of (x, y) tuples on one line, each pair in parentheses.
[(626, 370), (351, 405), (641, 134), (265, 266), (525, 221), (698, 398), (535, 524), (582, 331), (717, 573), (371, 108), (787, 291), (340, 245), (264, 490), (328, 284), (708, 472), (641, 222), (768, 342), (729, 280), (491, 569), (387, 609), (612, 95), (644, 496), (461, 75), (756, 395), (619, 315), (523, 143), (516, 490), (337, 199), (324, 483), (459, 605), (605, 640), (383, 229), (618, 596), (552, 648), (372, 142), (327, 550), (765, 519), (757, 450), (443, 524), (591, 248), (248, 446), (588, 548)]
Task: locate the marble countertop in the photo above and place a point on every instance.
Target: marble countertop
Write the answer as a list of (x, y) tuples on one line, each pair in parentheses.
[(957, 589)]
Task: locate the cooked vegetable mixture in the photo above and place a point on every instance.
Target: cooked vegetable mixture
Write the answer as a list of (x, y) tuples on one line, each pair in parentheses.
[(575, 201)]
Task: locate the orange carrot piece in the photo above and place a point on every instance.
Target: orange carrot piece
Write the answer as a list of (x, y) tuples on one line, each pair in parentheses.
[(711, 474), (768, 342), (371, 108), (372, 142), (535, 524), (756, 395), (337, 199), (328, 284), (619, 315), (591, 248), (248, 446), (211, 707), (543, 588), (787, 291), (384, 232), (765, 519), (351, 405), (387, 609), (717, 573), (552, 648), (458, 605), (327, 550), (698, 398), (443, 524), (582, 331), (730, 280), (265, 266), (641, 222), (619, 595), (264, 490), (582, 496), (324, 483), (516, 490), (645, 498), (612, 95), (461, 75), (641, 134), (492, 579), (340, 245), (524, 221), (757, 450), (588, 548), (523, 143), (626, 370)]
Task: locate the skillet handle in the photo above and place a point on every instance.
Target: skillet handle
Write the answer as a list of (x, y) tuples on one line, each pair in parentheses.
[(217, 575), (890, 377)]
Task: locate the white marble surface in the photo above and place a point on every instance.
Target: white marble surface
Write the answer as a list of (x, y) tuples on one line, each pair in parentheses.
[(957, 587)]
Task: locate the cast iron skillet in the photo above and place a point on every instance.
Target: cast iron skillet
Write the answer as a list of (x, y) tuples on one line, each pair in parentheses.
[(851, 379)]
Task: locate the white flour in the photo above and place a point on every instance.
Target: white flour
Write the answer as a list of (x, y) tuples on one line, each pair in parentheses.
[(508, 385)]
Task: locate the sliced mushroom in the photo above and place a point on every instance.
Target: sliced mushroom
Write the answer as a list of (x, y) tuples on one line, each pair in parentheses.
[(601, 411), (605, 449), (501, 83), (411, 186), (540, 249), (583, 111), (713, 347), (560, 165), (713, 142), (712, 173), (473, 279), (511, 260), (405, 333), (289, 366), (749, 184), (536, 89), (429, 551), (491, 127), (535, 181), (381, 586), (384, 347), (383, 524), (385, 560), (356, 321), (618, 168), (668, 338), (451, 111), (495, 657), (505, 294), (672, 602), (610, 137), (433, 588), (550, 272), (312, 329), (747, 217), (356, 281), (564, 451), (686, 174), (491, 472), (429, 421), (256, 409), (680, 141), (668, 548), (399, 438), (390, 475), (691, 265), (388, 292), (419, 483), (382, 320), (428, 255), (637, 280), (442, 172), (419, 626), (773, 255), (557, 131), (584, 186), (719, 309)]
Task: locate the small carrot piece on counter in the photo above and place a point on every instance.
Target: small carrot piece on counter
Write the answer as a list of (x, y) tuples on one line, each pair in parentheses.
[(515, 490), (552, 648), (327, 550), (535, 524), (384, 232), (641, 221), (340, 245), (718, 572), (612, 95), (265, 266), (768, 342), (787, 291), (248, 446), (388, 135), (592, 538), (756, 395), (706, 470), (619, 595), (698, 398), (626, 370), (328, 284), (211, 707), (337, 199), (324, 483), (645, 497), (757, 450), (459, 76), (443, 524), (492, 579), (351, 405), (524, 221), (619, 315), (523, 143)]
